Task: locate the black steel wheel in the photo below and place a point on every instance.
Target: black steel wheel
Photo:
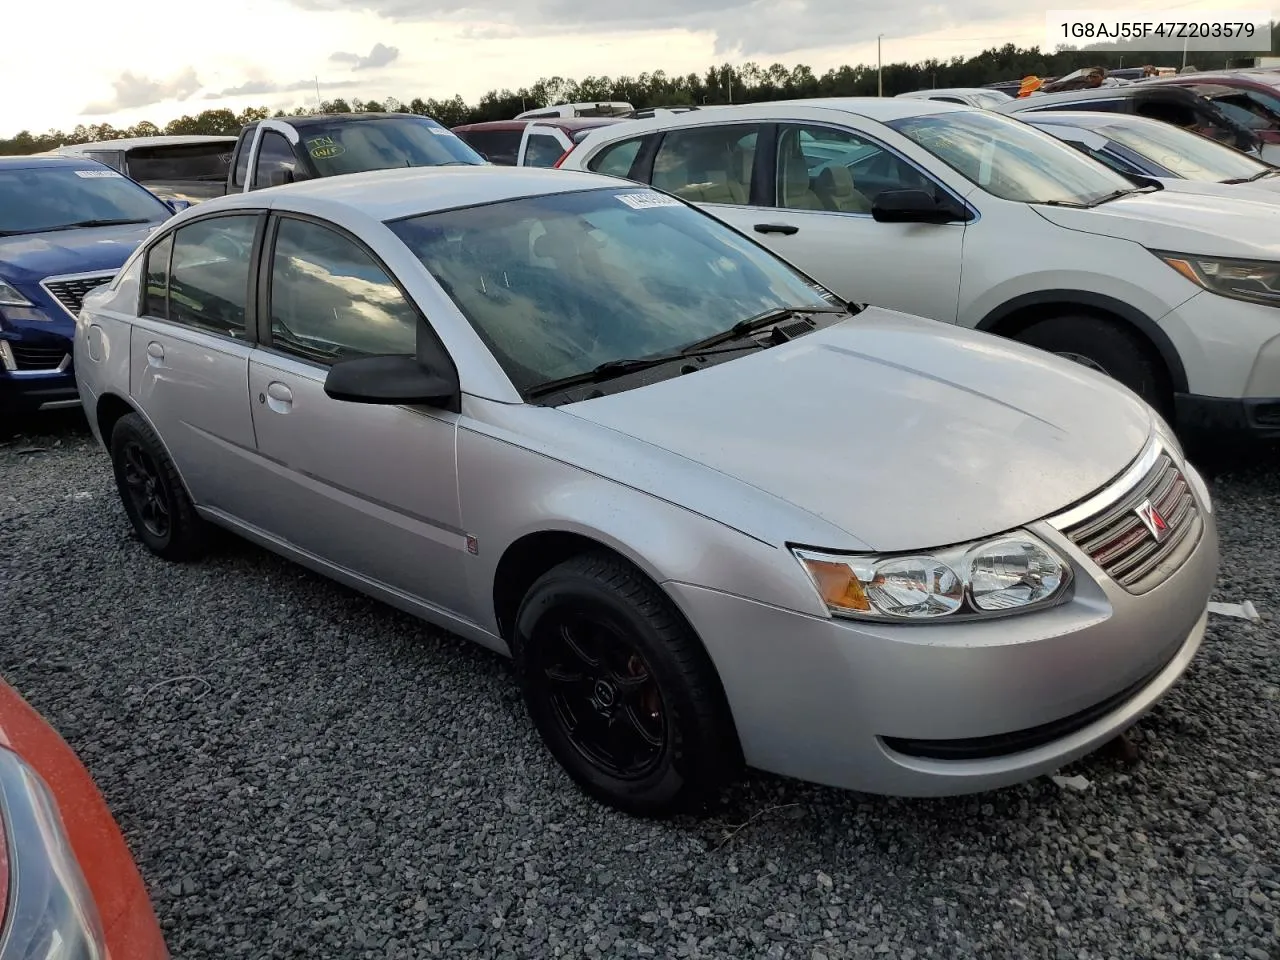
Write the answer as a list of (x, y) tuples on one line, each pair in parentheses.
[(151, 490), (621, 690)]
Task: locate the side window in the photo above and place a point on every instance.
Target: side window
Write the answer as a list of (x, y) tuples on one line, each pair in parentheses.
[(209, 274), (543, 150), (1093, 106), (112, 158), (242, 159), (616, 159), (949, 100), (498, 146), (820, 168), (707, 164), (331, 301), (155, 289), (276, 153)]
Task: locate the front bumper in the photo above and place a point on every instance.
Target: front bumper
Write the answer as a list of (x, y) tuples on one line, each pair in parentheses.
[(857, 705), (36, 371), (1220, 418)]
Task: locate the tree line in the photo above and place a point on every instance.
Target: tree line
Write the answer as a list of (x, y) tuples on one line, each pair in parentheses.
[(750, 83)]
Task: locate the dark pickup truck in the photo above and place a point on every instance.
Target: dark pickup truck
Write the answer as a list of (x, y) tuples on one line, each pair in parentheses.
[(278, 151)]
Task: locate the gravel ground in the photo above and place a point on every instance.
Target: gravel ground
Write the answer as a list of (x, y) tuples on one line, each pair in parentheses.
[(302, 772)]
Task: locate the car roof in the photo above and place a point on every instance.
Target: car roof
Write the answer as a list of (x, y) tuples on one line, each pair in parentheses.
[(316, 119), (1070, 96), (961, 90), (39, 162), (564, 123), (881, 109), (411, 191), (128, 143)]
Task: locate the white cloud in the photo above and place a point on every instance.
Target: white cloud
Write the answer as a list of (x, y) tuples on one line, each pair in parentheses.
[(380, 56), (133, 90)]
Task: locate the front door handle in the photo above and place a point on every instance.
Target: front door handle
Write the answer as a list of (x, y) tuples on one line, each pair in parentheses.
[(278, 397), (785, 229), (155, 353)]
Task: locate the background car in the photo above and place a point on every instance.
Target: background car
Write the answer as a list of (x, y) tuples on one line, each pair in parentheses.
[(1250, 99), (1138, 147), (530, 405), (529, 143), (1155, 101), (66, 226), (970, 217), (189, 168), (68, 884), (970, 96)]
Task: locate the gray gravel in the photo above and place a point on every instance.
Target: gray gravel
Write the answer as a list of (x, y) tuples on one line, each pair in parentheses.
[(302, 772)]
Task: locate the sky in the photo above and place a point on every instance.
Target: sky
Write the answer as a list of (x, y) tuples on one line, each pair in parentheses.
[(132, 60)]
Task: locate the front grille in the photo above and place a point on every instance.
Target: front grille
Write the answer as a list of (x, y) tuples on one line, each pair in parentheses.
[(70, 291), (1130, 551), (26, 357)]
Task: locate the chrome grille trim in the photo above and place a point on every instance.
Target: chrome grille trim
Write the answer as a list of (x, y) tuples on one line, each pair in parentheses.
[(68, 290), (1108, 529)]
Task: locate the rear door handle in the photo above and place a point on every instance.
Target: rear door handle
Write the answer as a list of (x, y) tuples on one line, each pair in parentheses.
[(155, 353), (278, 397), (785, 229)]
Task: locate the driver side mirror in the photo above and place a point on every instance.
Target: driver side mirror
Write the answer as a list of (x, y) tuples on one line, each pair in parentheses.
[(278, 178), (915, 206), (392, 380), (177, 206)]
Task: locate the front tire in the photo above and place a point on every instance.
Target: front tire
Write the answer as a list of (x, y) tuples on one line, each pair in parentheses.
[(1107, 347), (154, 498), (621, 691)]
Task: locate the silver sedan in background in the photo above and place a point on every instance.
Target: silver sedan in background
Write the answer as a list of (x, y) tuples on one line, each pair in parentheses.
[(716, 514)]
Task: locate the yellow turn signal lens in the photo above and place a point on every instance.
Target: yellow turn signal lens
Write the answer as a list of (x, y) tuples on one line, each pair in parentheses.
[(838, 585)]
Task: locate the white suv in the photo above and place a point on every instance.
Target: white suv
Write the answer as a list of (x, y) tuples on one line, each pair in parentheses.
[(974, 218)]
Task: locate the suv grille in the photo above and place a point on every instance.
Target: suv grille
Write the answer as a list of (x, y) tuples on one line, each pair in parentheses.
[(26, 357), (1144, 537), (70, 291)]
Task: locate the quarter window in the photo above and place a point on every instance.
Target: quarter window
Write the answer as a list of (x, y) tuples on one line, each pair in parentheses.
[(331, 301), (209, 274), (708, 164)]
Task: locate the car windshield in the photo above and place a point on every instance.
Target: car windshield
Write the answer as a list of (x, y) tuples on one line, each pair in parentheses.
[(355, 146), (1184, 153), (1011, 159), (187, 161), (36, 199), (558, 284)]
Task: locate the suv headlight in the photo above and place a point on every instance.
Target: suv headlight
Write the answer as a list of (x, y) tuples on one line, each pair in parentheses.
[(1007, 574), (1257, 281), (10, 297)]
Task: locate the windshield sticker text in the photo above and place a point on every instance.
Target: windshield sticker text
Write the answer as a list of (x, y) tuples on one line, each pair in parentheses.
[(325, 148), (97, 174), (646, 201), (441, 131)]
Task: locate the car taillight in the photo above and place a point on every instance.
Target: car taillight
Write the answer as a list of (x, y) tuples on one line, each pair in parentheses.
[(48, 911), (556, 165)]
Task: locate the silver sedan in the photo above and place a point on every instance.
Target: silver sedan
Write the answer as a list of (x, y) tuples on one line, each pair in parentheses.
[(714, 513)]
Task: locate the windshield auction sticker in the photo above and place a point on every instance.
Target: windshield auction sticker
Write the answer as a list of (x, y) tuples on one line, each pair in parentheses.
[(644, 201), (97, 174), (325, 148)]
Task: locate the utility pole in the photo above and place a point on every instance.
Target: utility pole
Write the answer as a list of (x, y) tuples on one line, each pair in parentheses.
[(879, 68)]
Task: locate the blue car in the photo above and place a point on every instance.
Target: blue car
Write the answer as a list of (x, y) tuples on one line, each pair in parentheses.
[(66, 226)]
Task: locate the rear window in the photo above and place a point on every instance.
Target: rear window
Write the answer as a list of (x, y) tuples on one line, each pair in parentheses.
[(194, 161), (499, 146)]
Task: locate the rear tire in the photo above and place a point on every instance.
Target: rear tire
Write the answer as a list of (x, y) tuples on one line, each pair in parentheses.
[(1108, 347), (153, 494), (621, 690)]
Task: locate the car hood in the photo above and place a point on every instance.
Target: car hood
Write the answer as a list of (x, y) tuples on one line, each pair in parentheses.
[(1206, 223), (1260, 191), (32, 257), (905, 433)]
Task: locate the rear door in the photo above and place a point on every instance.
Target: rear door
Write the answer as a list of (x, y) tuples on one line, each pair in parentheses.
[(369, 488), (189, 354)]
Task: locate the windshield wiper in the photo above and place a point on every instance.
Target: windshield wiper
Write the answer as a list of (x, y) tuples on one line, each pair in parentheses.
[(91, 223), (612, 369), (760, 320), (1117, 194), (1257, 176)]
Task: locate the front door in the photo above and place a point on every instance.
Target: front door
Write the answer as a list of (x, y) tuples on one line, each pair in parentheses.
[(189, 355), (370, 488), (826, 180)]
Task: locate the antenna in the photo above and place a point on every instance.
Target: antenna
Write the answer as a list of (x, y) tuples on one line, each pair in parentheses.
[(319, 102)]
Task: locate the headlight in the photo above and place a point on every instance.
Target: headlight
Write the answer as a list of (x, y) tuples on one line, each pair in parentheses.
[(1006, 574), (9, 297), (1257, 281)]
